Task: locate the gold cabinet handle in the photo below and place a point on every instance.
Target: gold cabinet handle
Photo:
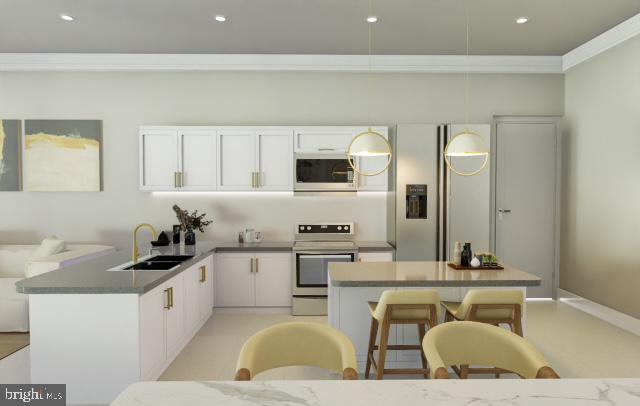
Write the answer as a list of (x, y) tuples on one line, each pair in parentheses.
[(203, 274), (252, 265), (181, 178), (176, 179), (257, 265), (168, 292), (257, 179)]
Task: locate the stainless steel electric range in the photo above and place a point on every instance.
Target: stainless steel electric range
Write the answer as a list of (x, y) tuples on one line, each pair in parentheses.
[(316, 246)]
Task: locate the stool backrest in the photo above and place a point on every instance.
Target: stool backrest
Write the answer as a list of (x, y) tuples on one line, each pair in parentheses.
[(473, 343), (297, 344), (408, 297), (490, 297)]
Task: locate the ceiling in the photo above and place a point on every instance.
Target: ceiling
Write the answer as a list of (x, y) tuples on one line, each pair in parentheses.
[(409, 27)]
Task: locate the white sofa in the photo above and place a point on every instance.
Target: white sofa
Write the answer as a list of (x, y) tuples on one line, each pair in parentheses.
[(14, 306)]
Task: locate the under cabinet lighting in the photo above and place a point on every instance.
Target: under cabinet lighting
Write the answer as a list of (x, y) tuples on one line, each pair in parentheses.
[(66, 17)]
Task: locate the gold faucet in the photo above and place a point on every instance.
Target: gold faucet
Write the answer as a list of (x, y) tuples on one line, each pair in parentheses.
[(136, 252)]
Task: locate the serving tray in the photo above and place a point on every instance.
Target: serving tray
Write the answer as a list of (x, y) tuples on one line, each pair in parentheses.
[(470, 268)]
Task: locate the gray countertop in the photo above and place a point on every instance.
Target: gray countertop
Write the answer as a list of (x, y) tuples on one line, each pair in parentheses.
[(94, 276), (423, 274)]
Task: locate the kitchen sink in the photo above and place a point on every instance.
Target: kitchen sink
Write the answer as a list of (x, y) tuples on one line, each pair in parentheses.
[(156, 263)]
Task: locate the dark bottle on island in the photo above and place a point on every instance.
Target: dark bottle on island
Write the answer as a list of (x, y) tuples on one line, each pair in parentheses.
[(465, 257), (176, 234)]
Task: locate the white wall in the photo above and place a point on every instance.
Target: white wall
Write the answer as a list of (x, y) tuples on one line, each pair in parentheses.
[(600, 238), (125, 101)]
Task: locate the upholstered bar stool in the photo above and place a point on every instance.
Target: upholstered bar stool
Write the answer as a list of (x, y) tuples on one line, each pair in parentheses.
[(469, 342), (297, 344), (493, 307), (489, 306), (419, 307)]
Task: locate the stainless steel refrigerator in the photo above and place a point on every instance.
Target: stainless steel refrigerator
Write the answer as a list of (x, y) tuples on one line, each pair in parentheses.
[(429, 207)]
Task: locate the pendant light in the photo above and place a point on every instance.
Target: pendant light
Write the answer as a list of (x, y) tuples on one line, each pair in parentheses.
[(369, 143), (467, 143)]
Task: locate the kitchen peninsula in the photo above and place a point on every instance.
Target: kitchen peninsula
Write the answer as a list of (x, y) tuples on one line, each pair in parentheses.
[(352, 285)]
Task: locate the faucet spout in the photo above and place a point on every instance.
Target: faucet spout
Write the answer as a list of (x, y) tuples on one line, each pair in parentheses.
[(136, 252)]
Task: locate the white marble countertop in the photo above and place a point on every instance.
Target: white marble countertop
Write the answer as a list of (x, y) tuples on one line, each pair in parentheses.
[(552, 392)]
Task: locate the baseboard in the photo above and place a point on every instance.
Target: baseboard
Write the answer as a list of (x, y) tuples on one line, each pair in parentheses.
[(251, 310), (611, 316)]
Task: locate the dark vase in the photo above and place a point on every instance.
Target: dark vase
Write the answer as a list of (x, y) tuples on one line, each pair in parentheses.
[(190, 238), (176, 234), (466, 256)]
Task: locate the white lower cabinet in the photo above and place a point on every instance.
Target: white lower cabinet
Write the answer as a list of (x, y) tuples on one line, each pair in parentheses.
[(382, 256), (256, 279), (170, 315)]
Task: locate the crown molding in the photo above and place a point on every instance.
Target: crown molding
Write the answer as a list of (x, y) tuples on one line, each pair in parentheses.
[(269, 62), (607, 40)]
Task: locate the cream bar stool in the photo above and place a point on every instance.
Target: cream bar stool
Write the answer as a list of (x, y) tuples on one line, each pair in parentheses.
[(469, 342), (420, 307), (297, 344), (489, 306)]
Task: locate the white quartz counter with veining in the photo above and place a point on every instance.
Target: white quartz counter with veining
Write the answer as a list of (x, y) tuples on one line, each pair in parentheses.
[(560, 392)]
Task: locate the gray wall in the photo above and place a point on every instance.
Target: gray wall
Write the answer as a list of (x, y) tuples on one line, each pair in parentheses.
[(126, 100), (600, 230)]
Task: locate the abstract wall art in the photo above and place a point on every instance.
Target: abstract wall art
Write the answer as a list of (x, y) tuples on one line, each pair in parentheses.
[(10, 131), (62, 155)]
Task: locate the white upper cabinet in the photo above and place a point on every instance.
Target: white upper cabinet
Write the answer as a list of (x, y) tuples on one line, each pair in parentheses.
[(177, 159), (158, 159), (236, 159), (207, 158), (197, 159), (274, 160), (323, 139), (372, 165)]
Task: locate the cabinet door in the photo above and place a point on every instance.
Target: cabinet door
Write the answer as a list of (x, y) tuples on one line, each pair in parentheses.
[(205, 288), (158, 159), (318, 139), (386, 256), (370, 165), (275, 160), (198, 159), (152, 331), (273, 278), (236, 159), (234, 281), (175, 315), (191, 293)]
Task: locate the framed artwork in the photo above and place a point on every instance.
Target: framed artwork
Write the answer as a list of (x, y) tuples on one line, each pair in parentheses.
[(62, 155), (10, 132)]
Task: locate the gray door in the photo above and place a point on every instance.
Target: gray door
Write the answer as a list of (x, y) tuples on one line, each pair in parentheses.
[(526, 169)]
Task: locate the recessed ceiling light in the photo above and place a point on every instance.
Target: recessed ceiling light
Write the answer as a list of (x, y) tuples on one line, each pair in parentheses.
[(372, 19), (221, 18), (66, 17), (522, 20)]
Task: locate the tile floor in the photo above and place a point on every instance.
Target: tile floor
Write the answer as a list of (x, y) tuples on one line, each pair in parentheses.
[(576, 344)]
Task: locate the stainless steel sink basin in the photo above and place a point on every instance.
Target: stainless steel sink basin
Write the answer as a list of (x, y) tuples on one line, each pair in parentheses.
[(171, 258)]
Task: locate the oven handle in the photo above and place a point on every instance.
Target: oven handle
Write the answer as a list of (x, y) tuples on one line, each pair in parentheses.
[(314, 255)]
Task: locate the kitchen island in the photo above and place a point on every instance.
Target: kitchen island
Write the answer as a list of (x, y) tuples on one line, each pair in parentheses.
[(352, 285)]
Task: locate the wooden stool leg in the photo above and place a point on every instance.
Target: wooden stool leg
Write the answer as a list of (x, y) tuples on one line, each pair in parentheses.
[(382, 353), (464, 371), (421, 333), (373, 334), (517, 327)]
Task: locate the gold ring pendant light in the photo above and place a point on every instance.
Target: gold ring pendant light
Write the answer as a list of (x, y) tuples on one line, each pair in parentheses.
[(466, 143), (369, 143)]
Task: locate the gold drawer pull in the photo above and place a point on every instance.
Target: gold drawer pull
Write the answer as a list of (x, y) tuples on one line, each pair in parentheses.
[(203, 274)]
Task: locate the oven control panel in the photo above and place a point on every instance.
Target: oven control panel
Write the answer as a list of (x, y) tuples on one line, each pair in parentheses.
[(325, 228)]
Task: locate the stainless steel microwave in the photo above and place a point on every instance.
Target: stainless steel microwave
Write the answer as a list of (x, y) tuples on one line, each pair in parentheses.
[(323, 172)]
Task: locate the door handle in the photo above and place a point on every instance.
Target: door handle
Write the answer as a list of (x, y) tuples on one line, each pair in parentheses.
[(176, 179), (252, 265), (257, 265), (169, 292), (203, 274), (326, 149), (504, 210)]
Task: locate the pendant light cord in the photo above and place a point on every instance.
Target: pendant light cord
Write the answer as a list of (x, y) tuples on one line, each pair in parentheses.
[(466, 73), (370, 46)]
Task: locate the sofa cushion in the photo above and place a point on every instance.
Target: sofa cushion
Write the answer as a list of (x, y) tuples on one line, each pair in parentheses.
[(48, 247), (13, 258)]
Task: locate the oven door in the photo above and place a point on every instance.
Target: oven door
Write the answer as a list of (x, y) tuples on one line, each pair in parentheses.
[(312, 270), (319, 172)]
